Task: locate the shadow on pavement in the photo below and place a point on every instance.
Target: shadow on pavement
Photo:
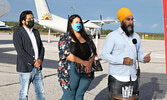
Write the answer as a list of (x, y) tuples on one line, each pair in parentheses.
[(47, 63), (11, 59), (103, 95), (6, 57), (2, 42), (96, 81), (153, 86)]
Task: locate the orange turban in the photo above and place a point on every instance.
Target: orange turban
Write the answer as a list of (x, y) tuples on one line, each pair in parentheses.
[(123, 13)]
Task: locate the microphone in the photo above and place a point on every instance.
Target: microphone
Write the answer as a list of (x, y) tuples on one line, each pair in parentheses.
[(134, 41), (138, 70)]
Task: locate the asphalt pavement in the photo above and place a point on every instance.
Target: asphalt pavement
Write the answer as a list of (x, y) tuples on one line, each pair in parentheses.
[(153, 83)]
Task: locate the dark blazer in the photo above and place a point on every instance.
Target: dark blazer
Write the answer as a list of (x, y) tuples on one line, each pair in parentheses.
[(24, 49)]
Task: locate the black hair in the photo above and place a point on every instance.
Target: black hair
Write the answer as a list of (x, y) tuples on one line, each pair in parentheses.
[(82, 32), (23, 16), (71, 32)]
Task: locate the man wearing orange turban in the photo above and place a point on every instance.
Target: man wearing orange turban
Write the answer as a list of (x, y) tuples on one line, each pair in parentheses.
[(121, 49), (123, 13)]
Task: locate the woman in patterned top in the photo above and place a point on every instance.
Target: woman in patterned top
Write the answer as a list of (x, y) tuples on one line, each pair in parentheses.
[(75, 47)]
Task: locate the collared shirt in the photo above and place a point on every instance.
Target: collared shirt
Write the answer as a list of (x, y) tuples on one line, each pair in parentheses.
[(33, 41), (117, 46)]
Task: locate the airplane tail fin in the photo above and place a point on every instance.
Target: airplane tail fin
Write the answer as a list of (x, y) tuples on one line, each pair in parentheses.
[(5, 7), (42, 10)]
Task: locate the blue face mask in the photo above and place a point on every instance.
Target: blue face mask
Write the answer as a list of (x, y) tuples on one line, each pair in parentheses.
[(77, 27)]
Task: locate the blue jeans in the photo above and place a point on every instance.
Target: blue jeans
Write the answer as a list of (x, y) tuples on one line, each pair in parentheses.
[(79, 83), (35, 76)]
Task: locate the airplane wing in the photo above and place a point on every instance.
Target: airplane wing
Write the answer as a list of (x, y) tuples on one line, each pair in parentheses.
[(4, 26), (103, 21), (97, 23)]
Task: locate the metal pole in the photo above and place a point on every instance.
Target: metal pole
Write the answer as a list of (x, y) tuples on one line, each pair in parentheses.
[(49, 36)]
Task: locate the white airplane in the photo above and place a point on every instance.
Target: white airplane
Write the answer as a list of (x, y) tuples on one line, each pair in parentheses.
[(59, 24), (4, 26), (4, 9)]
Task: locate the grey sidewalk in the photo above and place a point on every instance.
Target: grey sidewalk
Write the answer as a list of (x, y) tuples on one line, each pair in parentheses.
[(153, 84)]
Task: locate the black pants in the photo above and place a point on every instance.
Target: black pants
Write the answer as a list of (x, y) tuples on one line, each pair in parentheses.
[(115, 86)]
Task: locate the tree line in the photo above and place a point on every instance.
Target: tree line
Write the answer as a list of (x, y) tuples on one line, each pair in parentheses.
[(104, 32)]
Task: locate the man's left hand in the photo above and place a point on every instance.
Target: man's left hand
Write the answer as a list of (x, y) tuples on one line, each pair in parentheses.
[(38, 63), (147, 58)]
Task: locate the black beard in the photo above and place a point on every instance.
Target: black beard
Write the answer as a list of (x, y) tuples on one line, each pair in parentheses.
[(128, 30)]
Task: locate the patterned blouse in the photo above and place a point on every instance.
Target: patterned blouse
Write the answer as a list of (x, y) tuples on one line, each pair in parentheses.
[(64, 65)]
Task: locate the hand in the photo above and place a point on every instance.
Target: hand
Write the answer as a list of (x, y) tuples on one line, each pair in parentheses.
[(128, 61), (147, 58), (37, 63), (91, 61), (88, 67), (86, 63)]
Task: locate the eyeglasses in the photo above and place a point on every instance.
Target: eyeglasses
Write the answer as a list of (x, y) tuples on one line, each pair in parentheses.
[(29, 19)]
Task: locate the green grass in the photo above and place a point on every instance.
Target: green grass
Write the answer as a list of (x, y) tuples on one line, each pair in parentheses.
[(152, 36), (6, 32), (42, 33), (46, 33)]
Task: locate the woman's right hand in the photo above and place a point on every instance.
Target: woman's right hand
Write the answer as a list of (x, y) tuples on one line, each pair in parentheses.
[(87, 65)]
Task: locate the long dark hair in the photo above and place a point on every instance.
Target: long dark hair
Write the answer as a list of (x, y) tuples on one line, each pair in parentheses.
[(71, 32), (23, 16), (82, 32)]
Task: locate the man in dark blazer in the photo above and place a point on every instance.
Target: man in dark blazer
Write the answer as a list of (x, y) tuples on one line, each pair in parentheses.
[(30, 54)]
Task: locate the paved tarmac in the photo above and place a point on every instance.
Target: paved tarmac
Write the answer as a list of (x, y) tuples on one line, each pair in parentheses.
[(153, 83)]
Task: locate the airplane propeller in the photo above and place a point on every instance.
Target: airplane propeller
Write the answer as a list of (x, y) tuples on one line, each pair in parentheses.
[(102, 23), (86, 21)]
